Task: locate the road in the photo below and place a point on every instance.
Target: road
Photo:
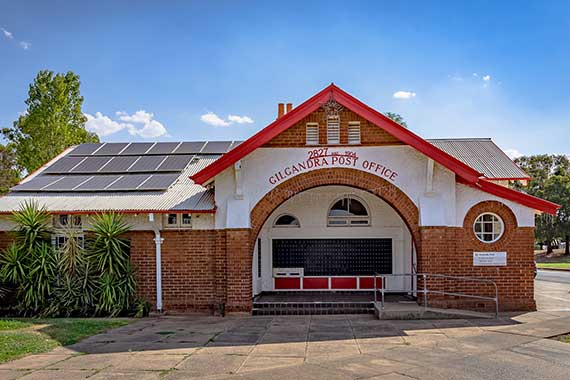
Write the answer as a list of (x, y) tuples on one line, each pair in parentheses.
[(554, 276)]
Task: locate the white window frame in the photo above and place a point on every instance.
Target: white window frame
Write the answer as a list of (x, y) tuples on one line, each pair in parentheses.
[(333, 131), (349, 221), (179, 220), (310, 130), (275, 225), (55, 240), (354, 130), (482, 223)]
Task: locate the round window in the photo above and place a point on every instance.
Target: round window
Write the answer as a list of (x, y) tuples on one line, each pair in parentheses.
[(488, 227)]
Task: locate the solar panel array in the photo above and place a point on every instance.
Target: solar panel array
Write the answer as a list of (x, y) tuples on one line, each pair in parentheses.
[(115, 167)]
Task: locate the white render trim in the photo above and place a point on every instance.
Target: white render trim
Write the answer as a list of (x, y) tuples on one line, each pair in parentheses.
[(429, 177)]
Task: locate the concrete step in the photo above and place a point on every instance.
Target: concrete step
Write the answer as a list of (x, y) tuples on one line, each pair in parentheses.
[(312, 308), (411, 310)]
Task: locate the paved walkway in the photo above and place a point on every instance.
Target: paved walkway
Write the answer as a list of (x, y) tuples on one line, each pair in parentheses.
[(318, 347)]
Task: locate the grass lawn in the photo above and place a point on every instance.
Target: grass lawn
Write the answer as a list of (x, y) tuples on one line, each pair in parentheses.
[(563, 338), (554, 265), (21, 337), (556, 260)]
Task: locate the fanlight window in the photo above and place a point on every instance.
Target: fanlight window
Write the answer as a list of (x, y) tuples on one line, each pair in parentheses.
[(348, 211), (287, 220)]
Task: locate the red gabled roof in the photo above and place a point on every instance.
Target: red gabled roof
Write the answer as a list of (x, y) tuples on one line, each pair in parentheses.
[(464, 173), (291, 118), (515, 196)]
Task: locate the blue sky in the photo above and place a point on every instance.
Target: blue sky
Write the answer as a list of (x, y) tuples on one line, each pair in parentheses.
[(169, 70)]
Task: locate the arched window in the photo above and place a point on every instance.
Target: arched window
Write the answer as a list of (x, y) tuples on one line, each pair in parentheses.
[(286, 220), (348, 211), (488, 227)]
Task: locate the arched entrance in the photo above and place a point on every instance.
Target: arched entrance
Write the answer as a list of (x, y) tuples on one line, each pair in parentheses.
[(295, 218)]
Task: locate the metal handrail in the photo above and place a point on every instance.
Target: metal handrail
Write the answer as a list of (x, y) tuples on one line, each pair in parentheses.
[(425, 291)]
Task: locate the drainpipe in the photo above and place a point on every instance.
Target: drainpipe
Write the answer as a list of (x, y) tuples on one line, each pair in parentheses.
[(158, 259), (158, 244)]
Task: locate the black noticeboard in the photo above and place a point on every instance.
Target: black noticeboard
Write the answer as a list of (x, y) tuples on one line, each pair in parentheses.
[(334, 257)]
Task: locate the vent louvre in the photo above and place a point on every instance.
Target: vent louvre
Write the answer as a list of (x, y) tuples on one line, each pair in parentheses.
[(354, 132), (312, 134), (333, 130)]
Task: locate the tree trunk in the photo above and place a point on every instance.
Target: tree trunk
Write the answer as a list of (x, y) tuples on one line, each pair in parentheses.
[(567, 245), (548, 247)]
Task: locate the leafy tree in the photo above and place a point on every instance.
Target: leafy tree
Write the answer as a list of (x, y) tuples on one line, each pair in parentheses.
[(397, 118), (550, 180), (8, 171), (53, 121)]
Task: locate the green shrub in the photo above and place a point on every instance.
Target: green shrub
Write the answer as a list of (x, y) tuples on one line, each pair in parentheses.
[(81, 278)]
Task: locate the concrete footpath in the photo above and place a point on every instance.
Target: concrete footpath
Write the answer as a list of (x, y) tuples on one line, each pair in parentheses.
[(319, 347)]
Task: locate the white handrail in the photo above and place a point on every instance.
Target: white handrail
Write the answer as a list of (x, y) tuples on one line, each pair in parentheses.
[(425, 290)]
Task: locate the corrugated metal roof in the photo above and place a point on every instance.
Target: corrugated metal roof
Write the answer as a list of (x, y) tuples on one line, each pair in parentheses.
[(483, 155), (184, 194)]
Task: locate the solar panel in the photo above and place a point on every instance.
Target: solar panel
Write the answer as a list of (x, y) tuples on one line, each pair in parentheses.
[(36, 183), (213, 147), (163, 148), (190, 147), (97, 183), (111, 149), (159, 182), (147, 164), (175, 163), (234, 144), (91, 165), (84, 149), (119, 164), (128, 182), (136, 148), (67, 183), (64, 164)]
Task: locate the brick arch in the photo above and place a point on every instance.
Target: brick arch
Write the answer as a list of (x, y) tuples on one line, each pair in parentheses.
[(503, 211), (380, 187)]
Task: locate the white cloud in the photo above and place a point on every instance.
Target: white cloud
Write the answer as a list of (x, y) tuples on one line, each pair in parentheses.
[(487, 78), (240, 119), (404, 95), (104, 125), (513, 153), (7, 34), (213, 119), (25, 45)]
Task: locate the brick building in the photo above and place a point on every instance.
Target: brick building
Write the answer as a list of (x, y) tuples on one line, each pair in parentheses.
[(320, 200)]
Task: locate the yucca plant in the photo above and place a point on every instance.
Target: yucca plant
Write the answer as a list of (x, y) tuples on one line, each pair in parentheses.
[(108, 250), (76, 287), (13, 265), (40, 279), (32, 228), (72, 253)]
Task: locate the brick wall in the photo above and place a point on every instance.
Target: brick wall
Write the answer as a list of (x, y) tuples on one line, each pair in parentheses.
[(143, 260), (201, 269), (448, 250), (295, 136), (6, 239)]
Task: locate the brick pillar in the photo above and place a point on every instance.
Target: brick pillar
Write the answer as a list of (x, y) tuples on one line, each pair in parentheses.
[(238, 271)]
